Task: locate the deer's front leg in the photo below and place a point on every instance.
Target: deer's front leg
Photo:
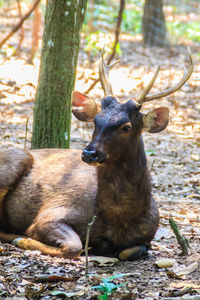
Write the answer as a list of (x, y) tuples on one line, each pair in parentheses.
[(50, 228)]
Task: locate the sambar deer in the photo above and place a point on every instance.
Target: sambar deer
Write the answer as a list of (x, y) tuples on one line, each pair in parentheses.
[(50, 195)]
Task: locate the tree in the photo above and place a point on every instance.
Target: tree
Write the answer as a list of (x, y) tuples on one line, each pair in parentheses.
[(61, 39), (153, 23)]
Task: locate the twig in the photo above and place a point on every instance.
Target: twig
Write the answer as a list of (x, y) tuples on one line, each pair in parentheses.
[(117, 32), (52, 278), (20, 23), (27, 120), (92, 86), (152, 165), (183, 242), (22, 29), (182, 292), (87, 243)]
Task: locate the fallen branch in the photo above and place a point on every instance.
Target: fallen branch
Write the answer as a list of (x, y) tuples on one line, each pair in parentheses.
[(20, 23), (87, 243), (117, 32), (52, 278), (183, 242), (182, 292)]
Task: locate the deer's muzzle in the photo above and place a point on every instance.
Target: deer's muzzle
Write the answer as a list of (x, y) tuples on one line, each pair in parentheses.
[(93, 156)]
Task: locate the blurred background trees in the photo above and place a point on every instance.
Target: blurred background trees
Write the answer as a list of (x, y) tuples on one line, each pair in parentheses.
[(146, 23), (156, 22), (153, 23)]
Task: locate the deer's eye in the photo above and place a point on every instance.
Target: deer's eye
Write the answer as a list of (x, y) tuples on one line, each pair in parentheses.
[(125, 127)]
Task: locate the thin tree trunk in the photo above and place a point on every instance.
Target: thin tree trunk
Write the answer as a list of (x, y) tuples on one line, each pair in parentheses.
[(153, 24), (36, 25), (52, 109)]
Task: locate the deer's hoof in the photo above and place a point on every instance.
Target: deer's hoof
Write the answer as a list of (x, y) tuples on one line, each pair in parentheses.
[(21, 242), (133, 253)]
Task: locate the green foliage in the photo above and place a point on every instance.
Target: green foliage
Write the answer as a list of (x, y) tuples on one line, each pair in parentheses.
[(181, 30), (4, 2), (131, 21), (104, 16), (98, 40), (132, 16)]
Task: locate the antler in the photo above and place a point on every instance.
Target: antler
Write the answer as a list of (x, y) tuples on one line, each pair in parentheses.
[(104, 75), (143, 97)]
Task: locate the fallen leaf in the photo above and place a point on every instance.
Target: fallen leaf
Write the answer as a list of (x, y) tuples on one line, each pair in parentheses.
[(195, 157), (181, 270), (165, 263), (193, 258), (103, 261)]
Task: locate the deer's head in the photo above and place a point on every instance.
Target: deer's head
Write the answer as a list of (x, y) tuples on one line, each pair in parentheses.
[(118, 126)]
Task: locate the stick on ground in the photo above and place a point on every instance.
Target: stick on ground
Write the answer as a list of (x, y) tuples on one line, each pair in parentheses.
[(87, 243), (183, 242)]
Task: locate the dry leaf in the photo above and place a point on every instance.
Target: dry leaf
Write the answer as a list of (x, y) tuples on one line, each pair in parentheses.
[(165, 263), (193, 258), (181, 270), (103, 261)]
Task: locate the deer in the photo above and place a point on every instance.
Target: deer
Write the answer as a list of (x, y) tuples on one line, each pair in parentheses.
[(48, 196)]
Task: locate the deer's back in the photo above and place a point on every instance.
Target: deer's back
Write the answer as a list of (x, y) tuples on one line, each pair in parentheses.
[(58, 178)]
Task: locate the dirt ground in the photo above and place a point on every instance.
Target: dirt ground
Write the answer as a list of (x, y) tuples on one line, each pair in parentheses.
[(174, 161)]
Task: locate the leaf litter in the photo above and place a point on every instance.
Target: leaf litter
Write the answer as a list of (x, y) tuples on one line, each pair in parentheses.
[(173, 157)]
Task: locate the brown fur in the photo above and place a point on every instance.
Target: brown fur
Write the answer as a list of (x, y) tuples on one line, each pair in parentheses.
[(51, 194), (60, 193), (14, 163)]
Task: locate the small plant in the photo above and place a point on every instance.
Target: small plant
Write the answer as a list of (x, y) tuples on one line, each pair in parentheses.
[(107, 286)]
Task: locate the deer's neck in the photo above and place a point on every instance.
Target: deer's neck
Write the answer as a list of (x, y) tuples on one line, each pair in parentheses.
[(126, 181)]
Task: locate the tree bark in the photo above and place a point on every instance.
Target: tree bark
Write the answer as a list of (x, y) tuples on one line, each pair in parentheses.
[(61, 38), (153, 24)]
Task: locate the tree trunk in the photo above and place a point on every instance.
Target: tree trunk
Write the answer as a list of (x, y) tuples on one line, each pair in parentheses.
[(52, 109), (153, 24)]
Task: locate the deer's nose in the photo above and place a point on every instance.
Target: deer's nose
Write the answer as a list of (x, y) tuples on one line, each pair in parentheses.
[(92, 156), (89, 155)]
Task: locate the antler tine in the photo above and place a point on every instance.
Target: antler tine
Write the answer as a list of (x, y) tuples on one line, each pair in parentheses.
[(141, 97), (104, 75), (167, 92)]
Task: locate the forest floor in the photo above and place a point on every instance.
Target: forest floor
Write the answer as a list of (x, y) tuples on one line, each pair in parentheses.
[(174, 161)]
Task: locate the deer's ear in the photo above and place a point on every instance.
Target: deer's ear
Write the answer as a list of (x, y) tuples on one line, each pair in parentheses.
[(156, 120), (83, 107)]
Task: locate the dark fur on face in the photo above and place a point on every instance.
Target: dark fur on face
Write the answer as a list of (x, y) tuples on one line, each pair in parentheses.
[(117, 126)]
